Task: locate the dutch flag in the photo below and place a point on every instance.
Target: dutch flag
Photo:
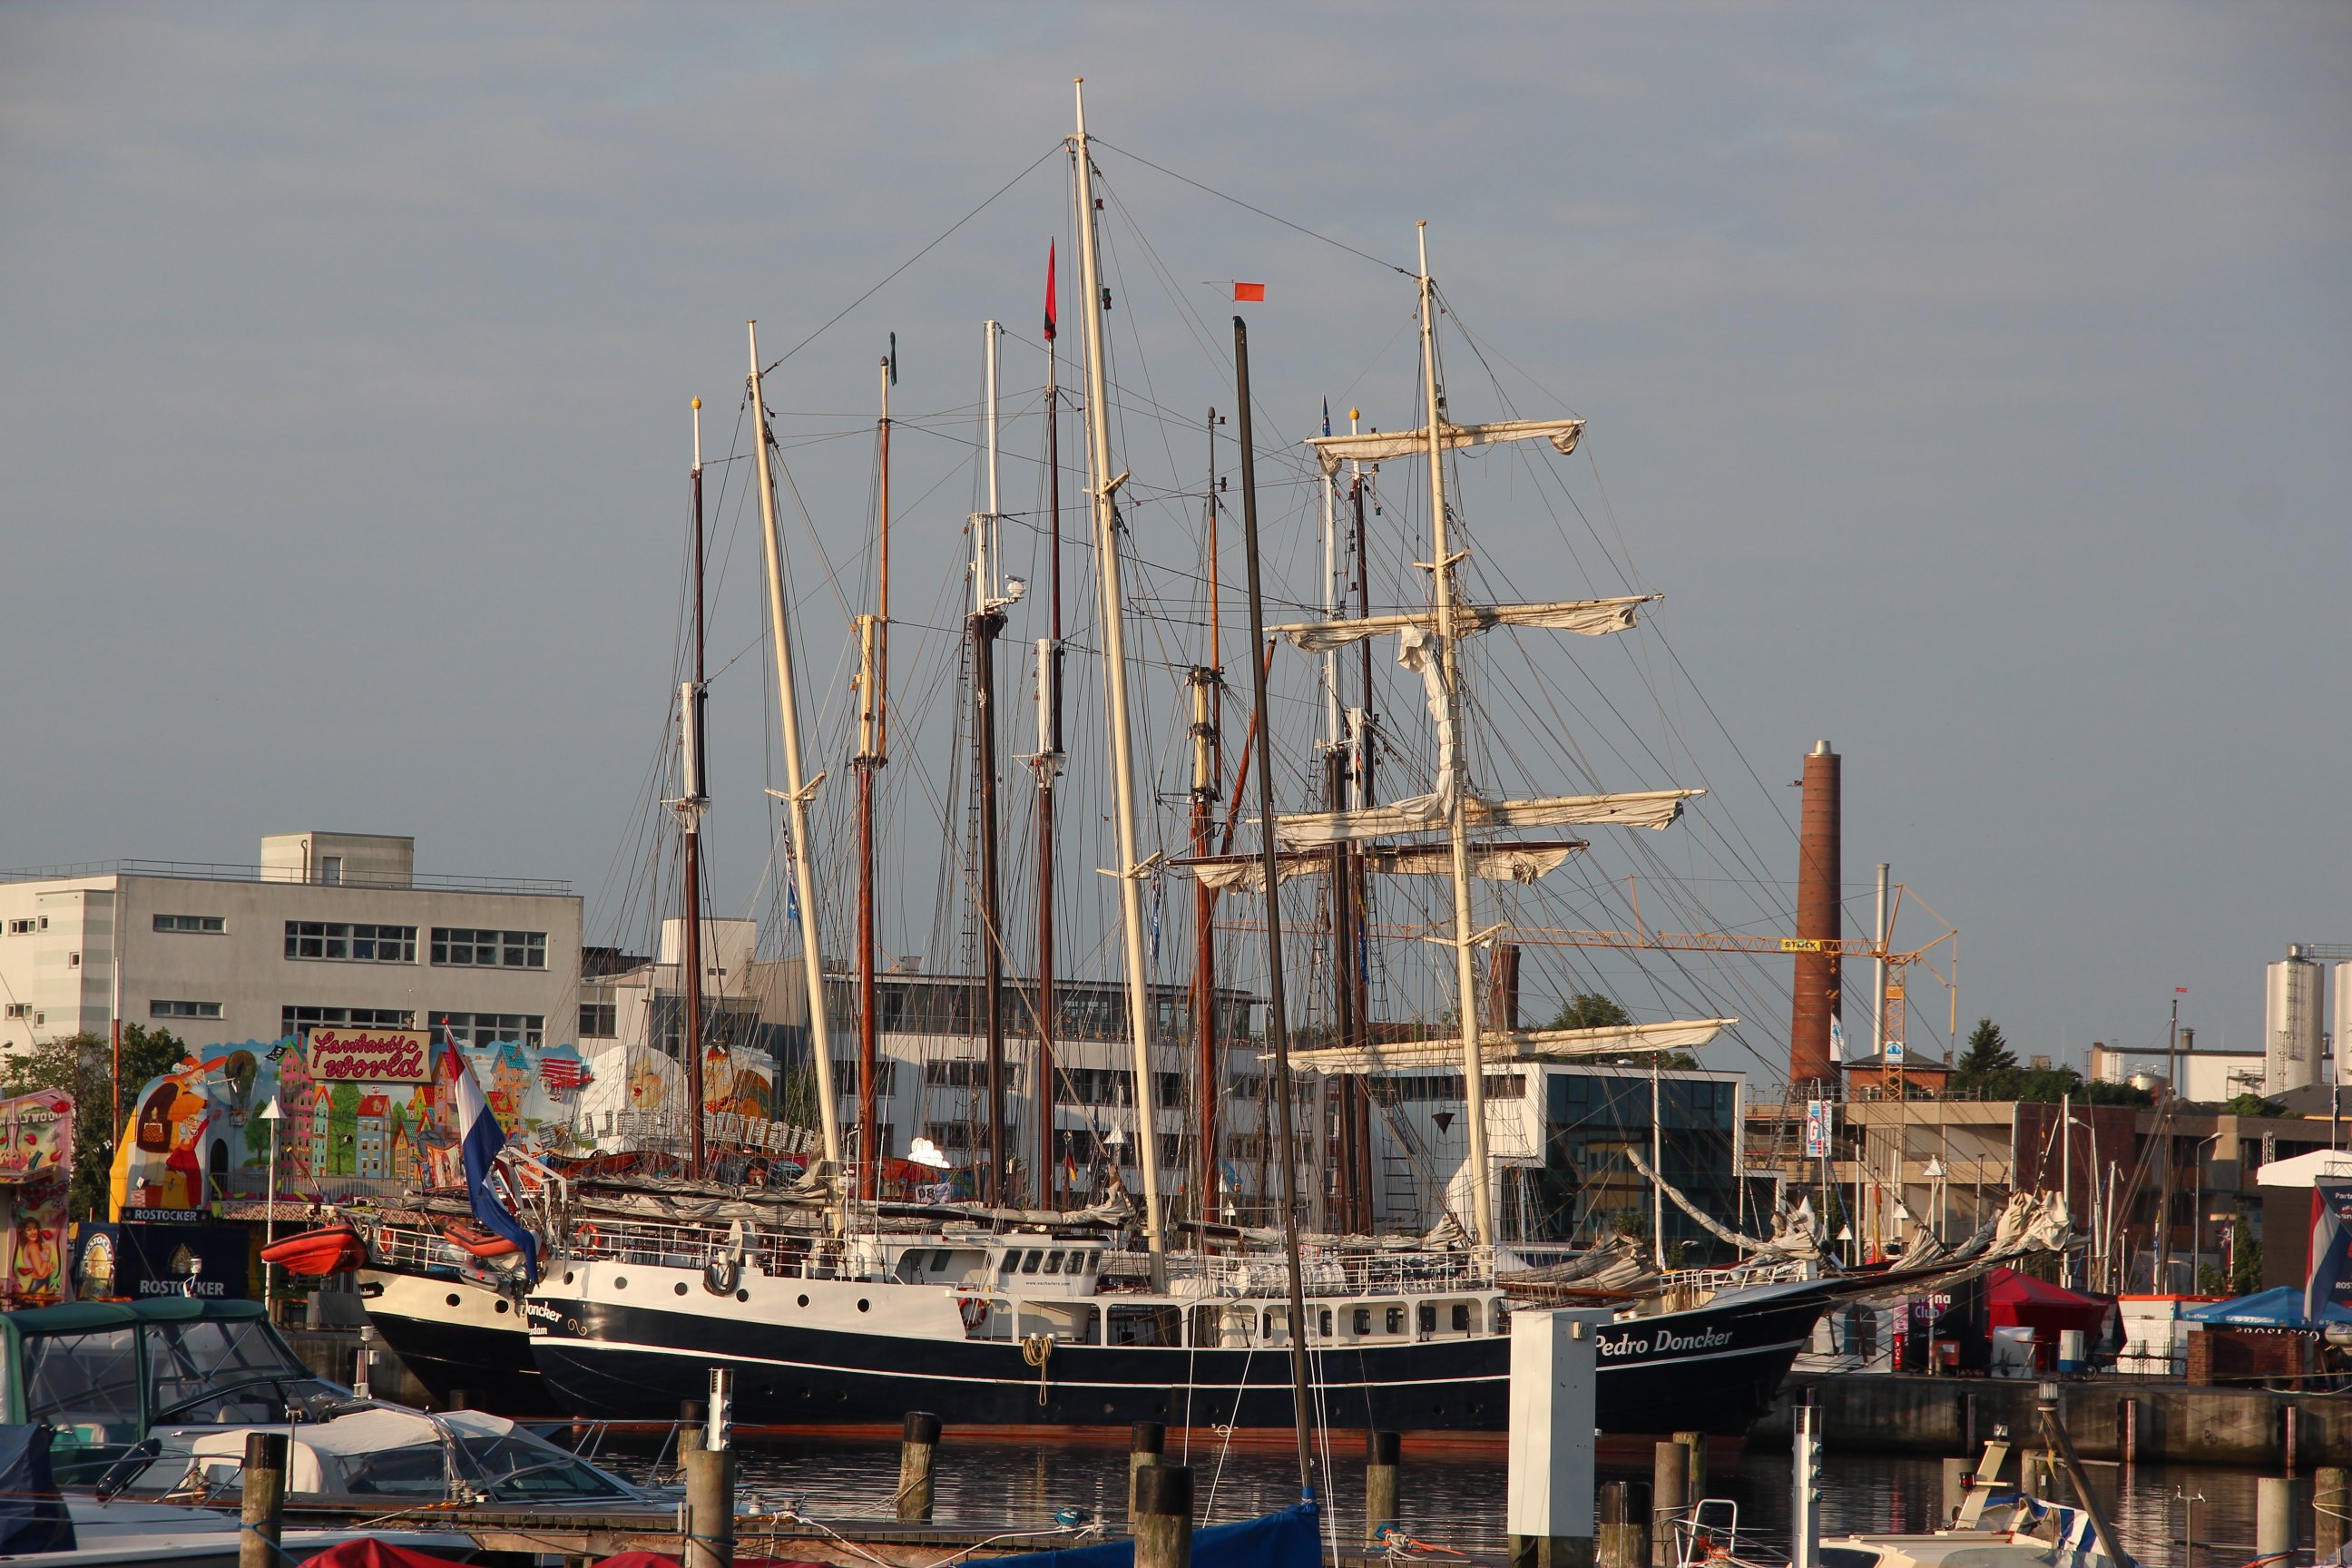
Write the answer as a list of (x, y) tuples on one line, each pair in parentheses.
[(480, 1138)]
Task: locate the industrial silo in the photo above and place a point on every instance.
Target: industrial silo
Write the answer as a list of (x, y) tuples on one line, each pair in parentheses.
[(2291, 1023)]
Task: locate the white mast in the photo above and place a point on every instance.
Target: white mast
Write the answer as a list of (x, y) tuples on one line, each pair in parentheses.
[(796, 792), (984, 539), (1102, 484), (1457, 788)]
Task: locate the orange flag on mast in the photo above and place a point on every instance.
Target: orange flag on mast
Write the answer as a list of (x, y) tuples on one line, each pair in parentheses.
[(1248, 292)]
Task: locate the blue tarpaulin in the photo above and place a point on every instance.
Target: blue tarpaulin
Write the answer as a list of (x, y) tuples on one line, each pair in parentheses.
[(1290, 1539), (2280, 1307), (32, 1515)]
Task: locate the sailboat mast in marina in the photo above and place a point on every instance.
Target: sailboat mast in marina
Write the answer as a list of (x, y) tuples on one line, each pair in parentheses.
[(798, 788), (693, 706), (987, 618), (873, 754), (1049, 758), (1102, 487)]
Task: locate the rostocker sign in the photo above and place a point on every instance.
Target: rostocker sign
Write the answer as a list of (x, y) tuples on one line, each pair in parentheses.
[(371, 1055)]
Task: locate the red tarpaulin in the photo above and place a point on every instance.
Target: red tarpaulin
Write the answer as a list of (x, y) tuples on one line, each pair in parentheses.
[(369, 1552), (2020, 1301)]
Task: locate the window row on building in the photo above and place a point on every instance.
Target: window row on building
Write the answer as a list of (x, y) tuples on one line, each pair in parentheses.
[(466, 1029), (359, 941)]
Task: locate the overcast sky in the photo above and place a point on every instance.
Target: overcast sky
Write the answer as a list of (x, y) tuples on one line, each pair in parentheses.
[(1974, 380)]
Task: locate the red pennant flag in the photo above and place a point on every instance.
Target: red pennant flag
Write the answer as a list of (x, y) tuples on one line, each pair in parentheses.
[(1243, 292), (1049, 291)]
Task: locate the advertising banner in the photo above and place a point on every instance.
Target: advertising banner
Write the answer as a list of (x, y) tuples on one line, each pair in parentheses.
[(371, 1055), (212, 1262), (1818, 1127)]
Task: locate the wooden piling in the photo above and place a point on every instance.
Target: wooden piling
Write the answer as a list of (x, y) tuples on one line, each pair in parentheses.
[(918, 1447), (1694, 1446), (2331, 1503), (1669, 1499), (262, 1515), (710, 1509), (1145, 1443), (1622, 1534), (1162, 1525), (1380, 1452)]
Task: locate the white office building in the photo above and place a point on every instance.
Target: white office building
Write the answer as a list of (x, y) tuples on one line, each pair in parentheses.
[(326, 928)]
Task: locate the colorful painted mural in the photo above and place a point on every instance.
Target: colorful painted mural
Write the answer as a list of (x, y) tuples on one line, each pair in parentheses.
[(195, 1137), (35, 1165)]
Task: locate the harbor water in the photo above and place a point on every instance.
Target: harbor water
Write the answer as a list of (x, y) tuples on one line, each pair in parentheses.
[(1447, 1502)]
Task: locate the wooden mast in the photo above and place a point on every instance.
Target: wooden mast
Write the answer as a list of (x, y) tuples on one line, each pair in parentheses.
[(693, 704), (986, 620), (1356, 1090), (797, 790), (873, 753), (1277, 1026), (1132, 870), (1207, 765), (1456, 785), (1048, 762)]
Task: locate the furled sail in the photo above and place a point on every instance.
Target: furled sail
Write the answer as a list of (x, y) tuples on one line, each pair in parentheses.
[(1515, 1045), (1373, 446), (1589, 617), (1501, 862), (1423, 814)]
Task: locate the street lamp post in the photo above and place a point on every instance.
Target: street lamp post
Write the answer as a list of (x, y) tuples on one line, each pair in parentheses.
[(273, 1115)]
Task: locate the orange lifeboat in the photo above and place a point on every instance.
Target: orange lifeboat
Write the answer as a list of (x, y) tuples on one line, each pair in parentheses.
[(336, 1250), (476, 1244)]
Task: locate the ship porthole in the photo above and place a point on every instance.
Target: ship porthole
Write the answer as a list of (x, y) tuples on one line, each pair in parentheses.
[(453, 1297), (502, 1305), (567, 1278), (742, 1295), (620, 1282), (863, 1303), (804, 1301), (680, 1287)]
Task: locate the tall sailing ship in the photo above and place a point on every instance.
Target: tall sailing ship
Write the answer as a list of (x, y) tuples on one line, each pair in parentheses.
[(839, 1301)]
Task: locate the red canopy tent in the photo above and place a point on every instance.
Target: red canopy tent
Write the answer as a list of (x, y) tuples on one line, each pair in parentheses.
[(2020, 1301)]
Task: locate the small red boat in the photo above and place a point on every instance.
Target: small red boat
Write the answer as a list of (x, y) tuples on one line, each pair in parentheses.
[(337, 1249), (475, 1244)]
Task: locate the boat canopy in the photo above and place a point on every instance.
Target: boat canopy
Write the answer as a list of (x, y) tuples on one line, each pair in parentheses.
[(102, 1373), (1515, 1046)]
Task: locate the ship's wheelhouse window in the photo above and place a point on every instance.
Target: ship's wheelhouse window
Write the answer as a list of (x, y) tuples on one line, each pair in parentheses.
[(1461, 1317), (1160, 1326), (1030, 1260), (1053, 1261)]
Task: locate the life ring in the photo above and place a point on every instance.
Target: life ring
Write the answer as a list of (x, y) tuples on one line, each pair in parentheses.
[(721, 1275), (975, 1314)]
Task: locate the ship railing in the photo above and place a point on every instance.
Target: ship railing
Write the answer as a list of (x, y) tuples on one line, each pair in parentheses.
[(1321, 1273), (655, 1244), (1733, 1279)]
